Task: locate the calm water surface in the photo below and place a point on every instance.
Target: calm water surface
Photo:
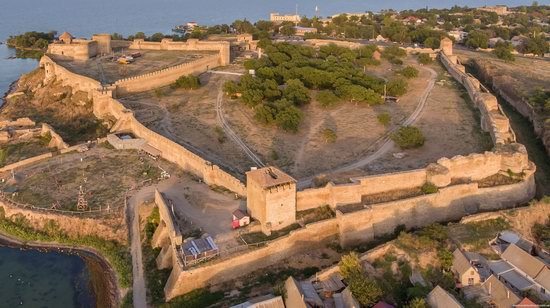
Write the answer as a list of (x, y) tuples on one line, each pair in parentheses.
[(30, 278)]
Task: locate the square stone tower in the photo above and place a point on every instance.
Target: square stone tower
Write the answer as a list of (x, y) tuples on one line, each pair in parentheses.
[(271, 198), (446, 46)]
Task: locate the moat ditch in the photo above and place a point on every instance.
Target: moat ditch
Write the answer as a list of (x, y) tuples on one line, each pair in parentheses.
[(525, 134)]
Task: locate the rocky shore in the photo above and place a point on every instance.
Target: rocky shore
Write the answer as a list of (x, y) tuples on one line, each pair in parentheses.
[(103, 277)]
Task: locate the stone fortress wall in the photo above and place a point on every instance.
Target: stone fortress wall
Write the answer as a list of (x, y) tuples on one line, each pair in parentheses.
[(106, 107), (459, 195), (451, 202), (165, 76)]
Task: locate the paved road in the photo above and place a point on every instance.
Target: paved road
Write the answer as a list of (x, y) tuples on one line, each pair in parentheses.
[(231, 134), (384, 143)]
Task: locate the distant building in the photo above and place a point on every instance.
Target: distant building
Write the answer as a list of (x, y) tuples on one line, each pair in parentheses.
[(499, 9), (301, 31), (500, 295), (267, 301), (380, 38), (530, 273), (197, 250), (346, 300), (277, 18), (439, 298), (518, 40), (458, 35), (80, 49), (301, 294), (271, 198), (494, 41), (465, 273), (240, 219)]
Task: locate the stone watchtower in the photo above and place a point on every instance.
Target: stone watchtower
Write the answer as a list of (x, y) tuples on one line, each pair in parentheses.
[(271, 198), (103, 43), (446, 46)]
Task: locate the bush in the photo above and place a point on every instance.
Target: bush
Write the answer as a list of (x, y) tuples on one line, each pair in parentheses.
[(329, 135), (424, 58), (220, 134), (429, 188), (409, 72), (384, 118), (289, 119), (504, 51), (367, 292), (397, 87), (188, 82), (327, 98), (408, 137)]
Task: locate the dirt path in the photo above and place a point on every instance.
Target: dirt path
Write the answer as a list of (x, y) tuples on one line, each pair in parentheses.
[(143, 195), (299, 157), (384, 143), (229, 132)]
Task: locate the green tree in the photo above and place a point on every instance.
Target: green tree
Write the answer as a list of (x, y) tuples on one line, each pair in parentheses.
[(432, 42), (477, 39), (288, 30), (409, 72), (289, 118), (424, 58), (188, 82), (139, 35), (296, 92), (264, 114), (397, 87), (327, 98), (367, 292), (157, 37), (504, 51), (416, 303)]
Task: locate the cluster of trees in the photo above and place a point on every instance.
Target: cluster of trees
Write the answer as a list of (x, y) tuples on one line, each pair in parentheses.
[(285, 77), (366, 291), (190, 82), (31, 40)]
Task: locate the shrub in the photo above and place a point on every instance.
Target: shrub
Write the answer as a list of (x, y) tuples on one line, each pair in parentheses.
[(397, 87), (264, 114), (409, 72), (384, 118), (429, 188), (504, 51), (289, 119), (424, 58), (188, 82), (408, 137), (329, 135), (396, 61), (220, 134), (327, 98)]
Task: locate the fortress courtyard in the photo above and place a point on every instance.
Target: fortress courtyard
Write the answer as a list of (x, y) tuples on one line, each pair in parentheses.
[(108, 70)]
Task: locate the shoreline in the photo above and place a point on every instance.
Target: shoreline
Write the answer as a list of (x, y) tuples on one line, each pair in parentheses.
[(11, 89), (109, 294)]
